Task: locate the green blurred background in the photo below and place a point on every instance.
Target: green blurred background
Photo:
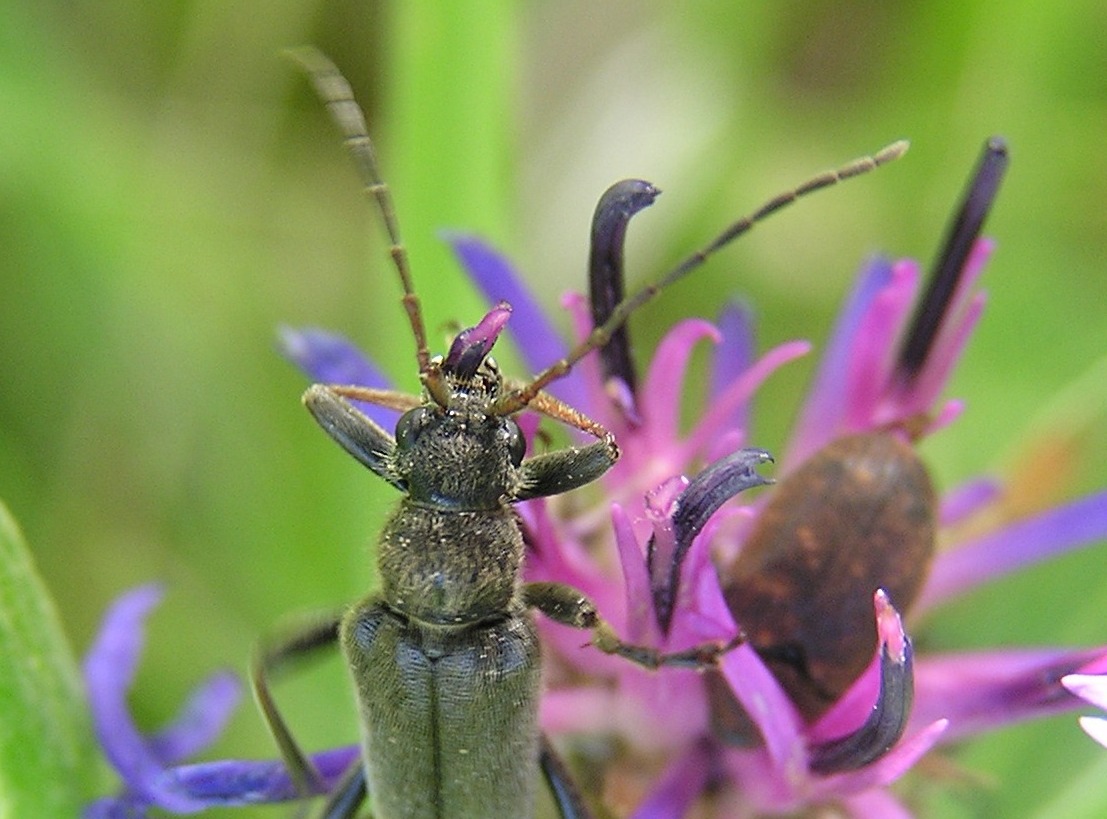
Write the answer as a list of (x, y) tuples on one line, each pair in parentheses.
[(171, 192)]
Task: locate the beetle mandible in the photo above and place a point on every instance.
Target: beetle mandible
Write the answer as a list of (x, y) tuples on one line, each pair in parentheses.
[(445, 656)]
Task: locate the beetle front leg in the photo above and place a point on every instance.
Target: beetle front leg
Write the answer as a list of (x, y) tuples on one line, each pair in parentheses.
[(354, 431), (553, 473), (564, 604)]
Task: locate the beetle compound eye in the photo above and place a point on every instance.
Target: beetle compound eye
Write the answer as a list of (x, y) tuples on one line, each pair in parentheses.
[(409, 426), (516, 443)]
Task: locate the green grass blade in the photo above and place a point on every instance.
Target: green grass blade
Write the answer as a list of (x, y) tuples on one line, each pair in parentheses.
[(46, 750)]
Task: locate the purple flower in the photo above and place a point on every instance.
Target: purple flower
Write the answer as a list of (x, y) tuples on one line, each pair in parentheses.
[(148, 764), (662, 545)]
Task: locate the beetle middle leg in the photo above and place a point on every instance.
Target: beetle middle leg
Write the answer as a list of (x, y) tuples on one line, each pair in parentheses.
[(566, 605)]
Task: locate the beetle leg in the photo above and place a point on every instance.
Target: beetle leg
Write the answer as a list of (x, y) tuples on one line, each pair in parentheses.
[(554, 408), (563, 469), (570, 804), (392, 399), (352, 429), (566, 605), (267, 660), (347, 797)]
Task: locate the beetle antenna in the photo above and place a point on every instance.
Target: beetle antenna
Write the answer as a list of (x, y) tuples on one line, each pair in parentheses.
[(521, 397), (335, 92)]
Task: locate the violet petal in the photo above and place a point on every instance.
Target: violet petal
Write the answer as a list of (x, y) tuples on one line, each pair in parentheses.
[(964, 501), (767, 704), (250, 782), (109, 670), (733, 354), (826, 401), (1062, 529), (659, 402), (201, 719), (712, 428), (328, 358), (680, 784), (876, 803), (982, 691)]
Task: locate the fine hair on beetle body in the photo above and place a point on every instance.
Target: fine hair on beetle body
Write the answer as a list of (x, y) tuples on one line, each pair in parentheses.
[(444, 656)]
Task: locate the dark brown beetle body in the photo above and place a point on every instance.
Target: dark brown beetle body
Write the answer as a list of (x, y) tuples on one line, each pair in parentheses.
[(859, 515)]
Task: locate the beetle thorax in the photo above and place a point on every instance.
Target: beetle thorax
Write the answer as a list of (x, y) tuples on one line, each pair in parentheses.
[(450, 567)]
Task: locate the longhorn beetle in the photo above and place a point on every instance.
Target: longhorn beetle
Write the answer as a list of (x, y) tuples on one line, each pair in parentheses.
[(445, 656)]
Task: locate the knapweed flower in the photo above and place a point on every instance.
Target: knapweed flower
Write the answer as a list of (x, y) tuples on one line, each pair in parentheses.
[(824, 703)]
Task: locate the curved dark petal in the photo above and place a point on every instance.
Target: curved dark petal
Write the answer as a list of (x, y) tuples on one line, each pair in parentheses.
[(703, 496), (537, 340), (888, 718), (946, 274), (605, 269), (473, 344), (328, 358)]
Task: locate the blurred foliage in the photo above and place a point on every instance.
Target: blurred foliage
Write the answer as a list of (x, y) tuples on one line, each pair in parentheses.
[(171, 192), (46, 736)]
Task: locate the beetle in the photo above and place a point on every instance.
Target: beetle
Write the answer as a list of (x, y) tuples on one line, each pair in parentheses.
[(444, 656)]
